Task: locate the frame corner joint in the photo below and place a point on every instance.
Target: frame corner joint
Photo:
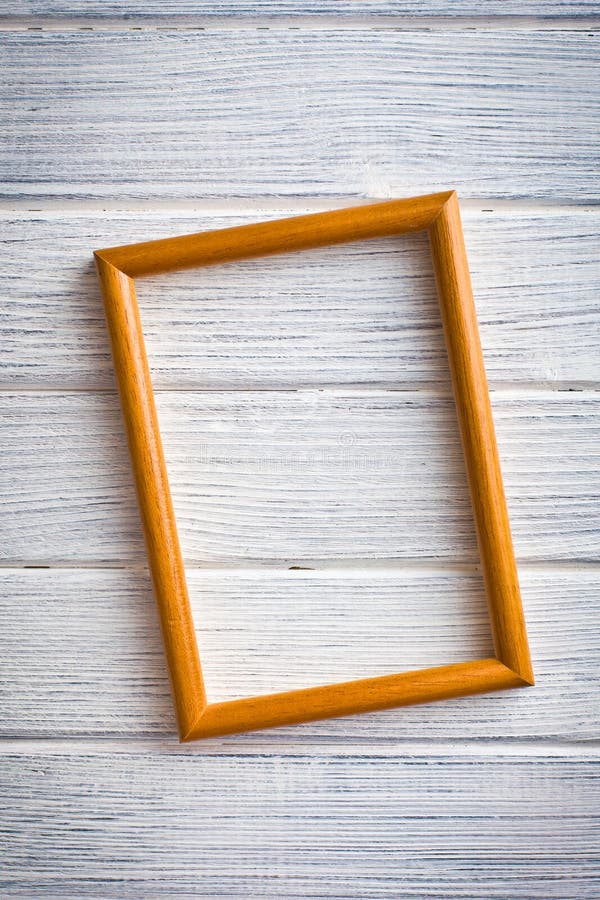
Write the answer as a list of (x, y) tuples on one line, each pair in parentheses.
[(188, 732), (523, 675)]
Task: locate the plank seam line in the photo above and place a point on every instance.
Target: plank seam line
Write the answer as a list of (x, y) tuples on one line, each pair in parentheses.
[(66, 205), (501, 391), (302, 568), (299, 746), (372, 22)]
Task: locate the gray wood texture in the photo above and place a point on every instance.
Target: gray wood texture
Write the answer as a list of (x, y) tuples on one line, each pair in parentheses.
[(363, 313), (296, 477), (92, 663), (192, 824), (289, 112), (311, 443), (215, 9)]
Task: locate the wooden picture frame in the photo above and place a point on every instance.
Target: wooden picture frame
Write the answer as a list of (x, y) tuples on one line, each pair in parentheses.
[(439, 215)]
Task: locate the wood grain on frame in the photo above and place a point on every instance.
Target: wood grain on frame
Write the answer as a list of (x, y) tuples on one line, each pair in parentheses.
[(439, 214)]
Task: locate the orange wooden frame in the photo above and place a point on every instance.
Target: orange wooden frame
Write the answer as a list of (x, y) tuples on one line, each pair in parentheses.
[(439, 214)]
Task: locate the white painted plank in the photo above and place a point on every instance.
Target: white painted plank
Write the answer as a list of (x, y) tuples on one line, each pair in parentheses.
[(362, 313), (267, 8), (343, 808), (82, 653), (296, 476), (285, 112), (148, 824)]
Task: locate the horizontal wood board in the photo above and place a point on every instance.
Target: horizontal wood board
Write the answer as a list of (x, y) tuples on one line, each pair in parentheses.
[(278, 477), (363, 313), (93, 824), (491, 114), (93, 663), (311, 444), (270, 8)]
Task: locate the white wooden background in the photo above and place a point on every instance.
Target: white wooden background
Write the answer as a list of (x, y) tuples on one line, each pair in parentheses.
[(311, 442)]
